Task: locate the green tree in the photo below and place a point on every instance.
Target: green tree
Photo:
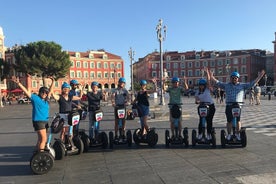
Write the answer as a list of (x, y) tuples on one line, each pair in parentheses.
[(42, 59), (6, 69)]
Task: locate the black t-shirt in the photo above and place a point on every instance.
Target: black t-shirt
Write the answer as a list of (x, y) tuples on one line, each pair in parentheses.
[(65, 106), (94, 100), (143, 98)]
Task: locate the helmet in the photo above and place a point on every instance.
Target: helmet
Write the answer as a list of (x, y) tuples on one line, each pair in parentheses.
[(43, 90), (202, 82), (94, 83), (74, 82), (65, 85), (175, 79), (122, 79), (143, 82), (235, 74)]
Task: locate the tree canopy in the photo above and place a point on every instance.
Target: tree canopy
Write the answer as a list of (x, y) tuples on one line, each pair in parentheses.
[(42, 59)]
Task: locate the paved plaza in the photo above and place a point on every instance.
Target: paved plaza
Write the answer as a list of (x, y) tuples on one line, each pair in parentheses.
[(141, 164)]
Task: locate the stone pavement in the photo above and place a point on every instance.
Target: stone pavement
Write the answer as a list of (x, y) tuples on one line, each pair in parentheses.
[(141, 164)]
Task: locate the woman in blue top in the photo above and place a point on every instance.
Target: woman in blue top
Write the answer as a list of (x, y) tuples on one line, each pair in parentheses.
[(40, 112)]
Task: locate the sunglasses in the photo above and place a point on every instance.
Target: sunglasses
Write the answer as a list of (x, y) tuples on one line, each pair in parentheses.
[(234, 77)]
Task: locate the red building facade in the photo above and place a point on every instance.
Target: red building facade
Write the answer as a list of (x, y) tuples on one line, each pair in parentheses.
[(190, 64)]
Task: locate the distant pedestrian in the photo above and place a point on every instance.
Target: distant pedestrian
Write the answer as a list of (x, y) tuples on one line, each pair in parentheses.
[(251, 96), (258, 91)]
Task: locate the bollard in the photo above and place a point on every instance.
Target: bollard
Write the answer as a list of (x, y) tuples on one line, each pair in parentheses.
[(269, 96)]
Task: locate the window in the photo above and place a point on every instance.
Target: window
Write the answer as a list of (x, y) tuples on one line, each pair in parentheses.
[(77, 54), (99, 74), (175, 73), (34, 84), (212, 63), (153, 74), (85, 65), (154, 66), (78, 64), (105, 75), (197, 56), (99, 65), (182, 65), (182, 73), (119, 65), (205, 63), (92, 75), (92, 65), (85, 74), (119, 74), (220, 62), (112, 65), (72, 64), (198, 73), (190, 65), (168, 58), (79, 74), (182, 57), (105, 56), (244, 61), (190, 73), (197, 64), (56, 84), (168, 65), (105, 65), (235, 61), (175, 65), (91, 56), (227, 62), (72, 74), (243, 69)]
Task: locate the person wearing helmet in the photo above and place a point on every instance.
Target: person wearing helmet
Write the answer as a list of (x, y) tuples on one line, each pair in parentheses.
[(175, 93), (234, 93), (120, 97), (203, 95), (65, 101), (143, 105), (75, 90), (40, 111), (94, 100)]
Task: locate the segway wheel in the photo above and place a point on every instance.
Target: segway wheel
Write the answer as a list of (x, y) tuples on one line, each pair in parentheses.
[(129, 138), (104, 140), (59, 150), (136, 135), (243, 138), (41, 162), (79, 144), (167, 138), (186, 137), (193, 137), (152, 138), (222, 138), (214, 140), (86, 142), (111, 140)]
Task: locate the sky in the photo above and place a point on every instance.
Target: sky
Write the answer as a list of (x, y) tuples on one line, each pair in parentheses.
[(117, 25)]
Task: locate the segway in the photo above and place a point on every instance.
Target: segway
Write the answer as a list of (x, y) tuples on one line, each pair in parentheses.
[(175, 111), (203, 112), (71, 145), (236, 112), (42, 162), (95, 138), (121, 139), (150, 138)]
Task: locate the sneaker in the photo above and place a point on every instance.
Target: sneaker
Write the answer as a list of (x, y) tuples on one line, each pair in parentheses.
[(228, 137), (238, 137), (209, 137), (199, 136)]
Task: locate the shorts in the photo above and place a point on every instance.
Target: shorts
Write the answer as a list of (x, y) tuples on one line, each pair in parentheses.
[(229, 116), (144, 110), (65, 119), (39, 125)]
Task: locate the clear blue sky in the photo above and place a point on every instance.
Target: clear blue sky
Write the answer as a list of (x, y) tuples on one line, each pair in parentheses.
[(117, 25)]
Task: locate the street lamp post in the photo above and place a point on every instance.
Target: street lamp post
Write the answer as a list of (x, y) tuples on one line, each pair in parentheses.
[(227, 67), (265, 78), (2, 72), (161, 29), (131, 54)]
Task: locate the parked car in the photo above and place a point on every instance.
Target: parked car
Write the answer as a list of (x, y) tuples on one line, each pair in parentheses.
[(24, 100)]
